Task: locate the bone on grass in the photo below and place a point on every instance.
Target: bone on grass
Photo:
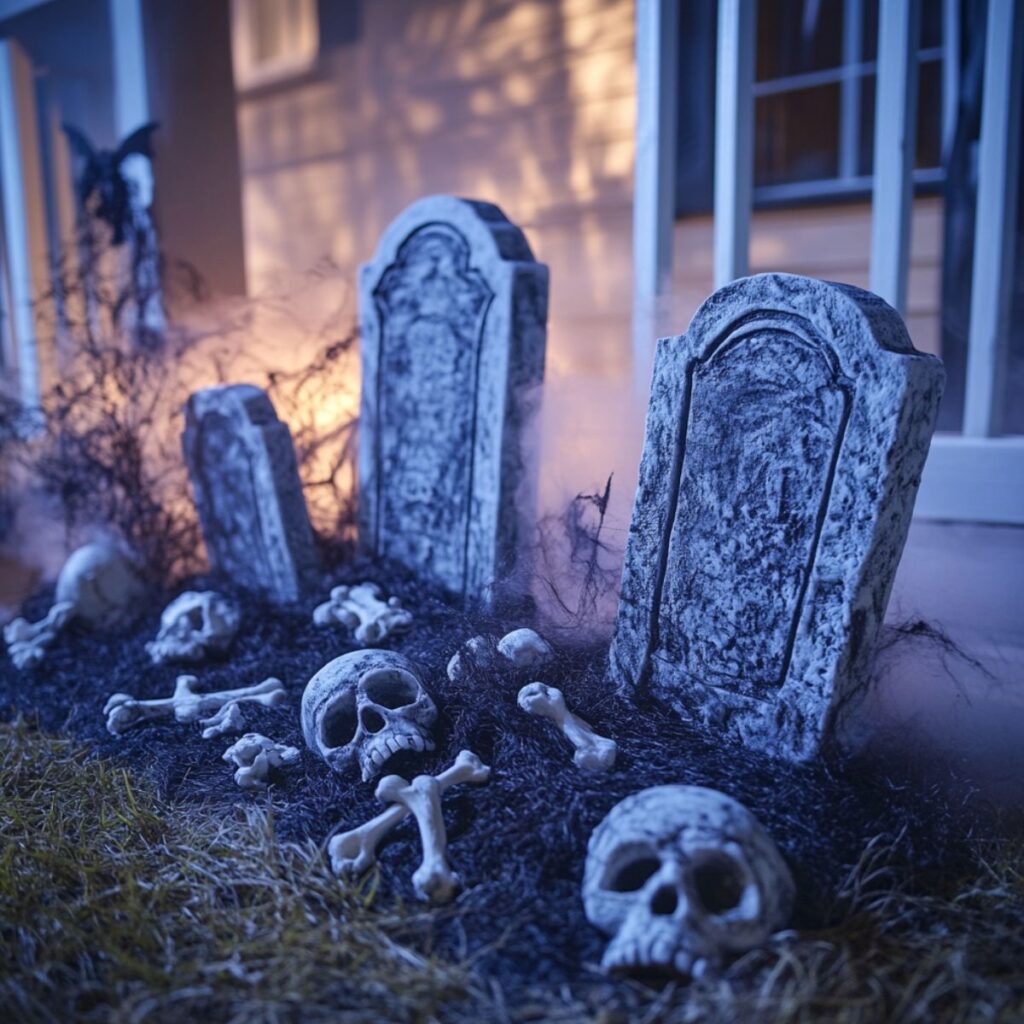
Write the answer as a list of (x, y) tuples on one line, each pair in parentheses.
[(210, 710), (355, 851), (593, 752)]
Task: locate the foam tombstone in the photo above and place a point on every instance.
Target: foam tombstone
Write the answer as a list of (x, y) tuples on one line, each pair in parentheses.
[(245, 477), (786, 434), (453, 312)]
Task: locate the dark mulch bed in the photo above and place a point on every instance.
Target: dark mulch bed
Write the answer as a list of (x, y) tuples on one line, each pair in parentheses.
[(519, 842)]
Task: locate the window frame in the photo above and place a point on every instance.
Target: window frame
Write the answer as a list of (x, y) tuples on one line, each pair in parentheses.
[(250, 71)]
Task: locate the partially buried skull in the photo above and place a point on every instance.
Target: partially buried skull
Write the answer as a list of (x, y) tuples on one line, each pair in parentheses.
[(364, 707), (194, 625), (681, 878)]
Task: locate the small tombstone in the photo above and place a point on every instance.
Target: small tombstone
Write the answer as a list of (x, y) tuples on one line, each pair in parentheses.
[(248, 493), (453, 312), (786, 434)]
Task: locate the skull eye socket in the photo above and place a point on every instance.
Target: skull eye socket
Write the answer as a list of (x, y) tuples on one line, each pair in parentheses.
[(195, 618), (718, 884), (391, 688), (632, 871), (338, 728)]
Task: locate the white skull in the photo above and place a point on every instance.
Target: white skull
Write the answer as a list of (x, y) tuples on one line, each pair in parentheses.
[(100, 582), (681, 877), (365, 706), (193, 625)]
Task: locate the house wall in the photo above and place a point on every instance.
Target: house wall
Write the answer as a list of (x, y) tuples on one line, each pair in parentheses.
[(530, 104)]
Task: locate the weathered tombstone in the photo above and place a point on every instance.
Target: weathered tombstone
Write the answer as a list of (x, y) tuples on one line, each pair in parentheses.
[(786, 434), (453, 312), (248, 493)]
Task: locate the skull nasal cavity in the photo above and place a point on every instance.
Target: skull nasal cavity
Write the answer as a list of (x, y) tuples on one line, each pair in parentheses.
[(372, 720), (665, 901)]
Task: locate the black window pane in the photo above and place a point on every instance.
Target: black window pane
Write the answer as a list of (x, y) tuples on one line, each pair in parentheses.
[(931, 24), (794, 36), (797, 136), (869, 30), (931, 27), (928, 151)]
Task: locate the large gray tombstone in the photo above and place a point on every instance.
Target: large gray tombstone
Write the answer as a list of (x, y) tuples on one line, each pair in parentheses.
[(247, 489), (453, 313), (786, 434)]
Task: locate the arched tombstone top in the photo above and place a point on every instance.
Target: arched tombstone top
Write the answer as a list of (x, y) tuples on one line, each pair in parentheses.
[(785, 438), (488, 233), (452, 312)]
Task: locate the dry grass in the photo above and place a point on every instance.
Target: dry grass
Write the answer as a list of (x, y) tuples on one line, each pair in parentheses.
[(115, 906)]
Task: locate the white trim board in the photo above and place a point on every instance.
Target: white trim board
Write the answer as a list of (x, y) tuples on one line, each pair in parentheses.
[(975, 479)]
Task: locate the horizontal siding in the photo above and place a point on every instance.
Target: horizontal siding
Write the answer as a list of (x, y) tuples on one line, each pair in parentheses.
[(527, 104)]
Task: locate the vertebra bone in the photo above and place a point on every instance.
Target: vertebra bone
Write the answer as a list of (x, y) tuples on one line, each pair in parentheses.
[(354, 852), (186, 705), (593, 752), (361, 610), (255, 756)]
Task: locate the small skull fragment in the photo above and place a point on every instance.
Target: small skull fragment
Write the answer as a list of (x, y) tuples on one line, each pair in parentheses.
[(477, 654), (364, 707), (681, 878), (525, 648), (194, 625), (97, 586)]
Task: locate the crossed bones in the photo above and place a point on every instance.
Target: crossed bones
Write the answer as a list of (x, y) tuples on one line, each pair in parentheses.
[(353, 852), (216, 712)]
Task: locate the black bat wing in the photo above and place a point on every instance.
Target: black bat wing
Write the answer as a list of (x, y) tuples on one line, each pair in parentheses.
[(79, 143), (140, 141)]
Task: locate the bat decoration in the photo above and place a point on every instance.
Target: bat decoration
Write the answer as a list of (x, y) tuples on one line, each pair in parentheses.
[(101, 175)]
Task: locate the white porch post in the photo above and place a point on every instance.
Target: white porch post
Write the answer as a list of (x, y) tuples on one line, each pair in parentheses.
[(654, 184), (131, 94), (998, 177), (19, 195), (899, 33), (734, 139)]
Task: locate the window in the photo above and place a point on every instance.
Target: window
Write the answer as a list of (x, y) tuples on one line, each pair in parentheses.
[(273, 39), (814, 101)]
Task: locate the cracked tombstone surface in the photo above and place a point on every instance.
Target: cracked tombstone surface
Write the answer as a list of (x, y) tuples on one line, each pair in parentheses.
[(786, 434), (453, 314), (248, 493)]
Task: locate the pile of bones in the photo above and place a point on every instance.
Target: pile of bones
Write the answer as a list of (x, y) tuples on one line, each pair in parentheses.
[(681, 878)]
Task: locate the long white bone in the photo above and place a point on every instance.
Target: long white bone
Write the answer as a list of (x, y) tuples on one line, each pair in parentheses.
[(434, 879), (355, 851), (593, 752), (186, 705), (361, 610)]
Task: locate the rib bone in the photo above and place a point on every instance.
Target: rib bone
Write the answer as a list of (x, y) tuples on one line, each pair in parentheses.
[(353, 852), (593, 752), (186, 705)]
